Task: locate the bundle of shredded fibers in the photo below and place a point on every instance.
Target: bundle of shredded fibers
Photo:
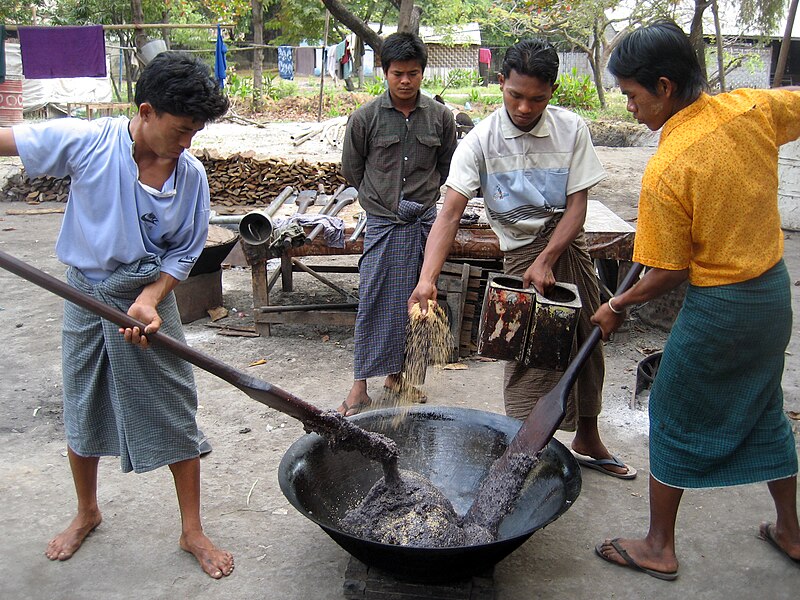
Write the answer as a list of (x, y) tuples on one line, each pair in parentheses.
[(428, 342), (410, 512)]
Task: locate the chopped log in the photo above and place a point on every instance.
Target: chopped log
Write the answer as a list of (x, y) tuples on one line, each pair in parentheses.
[(236, 179)]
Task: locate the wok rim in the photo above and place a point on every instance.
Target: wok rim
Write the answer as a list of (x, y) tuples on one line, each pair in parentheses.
[(310, 440)]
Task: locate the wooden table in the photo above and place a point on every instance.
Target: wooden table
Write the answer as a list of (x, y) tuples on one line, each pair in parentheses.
[(609, 238)]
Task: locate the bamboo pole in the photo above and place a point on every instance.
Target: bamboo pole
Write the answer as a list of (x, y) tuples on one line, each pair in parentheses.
[(151, 26), (322, 66)]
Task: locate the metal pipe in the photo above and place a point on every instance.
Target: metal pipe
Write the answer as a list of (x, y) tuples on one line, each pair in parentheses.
[(359, 228), (225, 219), (332, 212), (256, 227)]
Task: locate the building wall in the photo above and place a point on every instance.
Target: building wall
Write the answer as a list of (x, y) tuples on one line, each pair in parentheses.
[(442, 59)]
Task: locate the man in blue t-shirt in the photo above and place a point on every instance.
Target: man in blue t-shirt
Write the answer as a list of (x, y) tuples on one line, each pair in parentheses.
[(135, 222)]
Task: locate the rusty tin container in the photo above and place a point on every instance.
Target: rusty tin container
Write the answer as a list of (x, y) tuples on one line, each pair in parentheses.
[(518, 323), (505, 318), (553, 328)]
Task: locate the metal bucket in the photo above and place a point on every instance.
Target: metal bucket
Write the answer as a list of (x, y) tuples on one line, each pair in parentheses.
[(152, 49), (505, 318), (645, 375), (553, 328), (11, 103), (518, 323)]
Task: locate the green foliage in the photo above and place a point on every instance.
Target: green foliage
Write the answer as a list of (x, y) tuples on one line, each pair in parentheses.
[(237, 86), (228, 11), (278, 89), (616, 107), (576, 92), (463, 78), (375, 87), (764, 15), (492, 99), (457, 78), (21, 13), (474, 95), (335, 104), (452, 12)]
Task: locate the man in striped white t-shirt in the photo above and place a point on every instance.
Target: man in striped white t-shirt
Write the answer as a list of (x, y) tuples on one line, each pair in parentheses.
[(534, 164)]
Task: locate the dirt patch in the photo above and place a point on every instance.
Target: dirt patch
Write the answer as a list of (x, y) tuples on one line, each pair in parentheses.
[(303, 108), (621, 134), (279, 553)]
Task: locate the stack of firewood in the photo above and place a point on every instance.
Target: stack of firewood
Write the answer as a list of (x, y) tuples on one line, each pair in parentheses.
[(246, 179), (236, 179), (19, 188)]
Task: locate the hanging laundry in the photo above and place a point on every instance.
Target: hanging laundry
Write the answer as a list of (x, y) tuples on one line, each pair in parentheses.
[(285, 62), (332, 62), (2, 53), (305, 61), (220, 58), (484, 56), (346, 60), (52, 52)]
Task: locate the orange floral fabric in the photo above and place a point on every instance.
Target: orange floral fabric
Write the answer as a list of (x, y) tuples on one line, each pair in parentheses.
[(709, 194)]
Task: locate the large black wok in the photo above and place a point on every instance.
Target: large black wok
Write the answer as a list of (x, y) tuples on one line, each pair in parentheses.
[(453, 447)]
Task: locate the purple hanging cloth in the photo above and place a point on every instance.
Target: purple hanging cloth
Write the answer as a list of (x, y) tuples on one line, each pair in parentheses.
[(51, 52)]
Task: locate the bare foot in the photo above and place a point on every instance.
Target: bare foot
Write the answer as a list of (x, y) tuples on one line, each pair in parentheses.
[(356, 401), (769, 532), (215, 562), (653, 561), (66, 543)]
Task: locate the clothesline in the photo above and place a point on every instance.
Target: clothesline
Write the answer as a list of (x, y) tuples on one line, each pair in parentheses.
[(114, 27)]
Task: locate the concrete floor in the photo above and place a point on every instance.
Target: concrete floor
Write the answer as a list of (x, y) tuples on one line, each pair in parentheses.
[(280, 554)]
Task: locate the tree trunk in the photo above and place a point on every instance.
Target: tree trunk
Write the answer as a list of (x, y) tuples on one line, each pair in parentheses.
[(137, 14), (718, 33), (787, 40), (165, 30), (354, 24), (258, 53), (696, 32), (404, 17), (596, 60), (128, 63)]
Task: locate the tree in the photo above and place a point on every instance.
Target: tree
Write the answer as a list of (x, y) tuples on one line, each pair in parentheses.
[(591, 26), (341, 13), (20, 13), (763, 16)]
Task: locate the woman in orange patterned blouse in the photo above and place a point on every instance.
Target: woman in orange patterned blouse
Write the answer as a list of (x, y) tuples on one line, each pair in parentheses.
[(708, 213)]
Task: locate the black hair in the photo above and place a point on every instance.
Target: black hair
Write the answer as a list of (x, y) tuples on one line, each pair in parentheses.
[(661, 49), (403, 46), (181, 85), (534, 58)]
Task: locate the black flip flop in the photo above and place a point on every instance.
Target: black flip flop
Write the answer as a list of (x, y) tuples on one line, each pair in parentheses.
[(351, 411), (599, 464), (765, 533), (632, 563), (205, 445)]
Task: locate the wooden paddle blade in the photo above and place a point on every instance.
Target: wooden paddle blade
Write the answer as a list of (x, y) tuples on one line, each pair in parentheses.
[(538, 428), (549, 411)]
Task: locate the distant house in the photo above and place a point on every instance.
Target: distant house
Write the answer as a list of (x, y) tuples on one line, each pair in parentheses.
[(453, 48)]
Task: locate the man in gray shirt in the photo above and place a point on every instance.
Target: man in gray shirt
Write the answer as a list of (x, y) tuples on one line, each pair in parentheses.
[(397, 152)]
